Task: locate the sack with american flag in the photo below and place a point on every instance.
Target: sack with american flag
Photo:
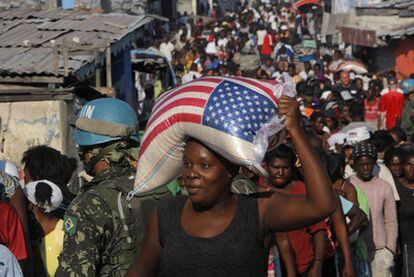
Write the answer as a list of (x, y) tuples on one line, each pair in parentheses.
[(234, 116)]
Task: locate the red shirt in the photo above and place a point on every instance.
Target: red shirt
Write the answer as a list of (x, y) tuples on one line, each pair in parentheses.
[(11, 231), (267, 45), (392, 103), (301, 240)]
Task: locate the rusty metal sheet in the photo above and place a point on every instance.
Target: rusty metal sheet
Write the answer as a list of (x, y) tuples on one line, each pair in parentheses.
[(359, 37)]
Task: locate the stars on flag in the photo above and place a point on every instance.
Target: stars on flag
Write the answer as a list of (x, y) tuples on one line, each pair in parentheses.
[(237, 110)]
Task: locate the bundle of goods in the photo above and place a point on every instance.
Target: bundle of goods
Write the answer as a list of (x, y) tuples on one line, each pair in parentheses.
[(234, 116)]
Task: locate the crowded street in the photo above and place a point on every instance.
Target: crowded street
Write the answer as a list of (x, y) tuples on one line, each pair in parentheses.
[(207, 138)]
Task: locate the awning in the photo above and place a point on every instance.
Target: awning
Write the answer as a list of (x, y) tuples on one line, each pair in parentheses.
[(302, 3)]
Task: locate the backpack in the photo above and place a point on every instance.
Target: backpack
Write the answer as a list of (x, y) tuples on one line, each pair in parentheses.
[(129, 217)]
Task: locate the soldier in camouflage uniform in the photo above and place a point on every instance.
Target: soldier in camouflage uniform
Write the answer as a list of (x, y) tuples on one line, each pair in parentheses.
[(102, 230)]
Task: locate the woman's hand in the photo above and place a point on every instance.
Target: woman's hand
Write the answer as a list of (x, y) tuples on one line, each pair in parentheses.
[(289, 107)]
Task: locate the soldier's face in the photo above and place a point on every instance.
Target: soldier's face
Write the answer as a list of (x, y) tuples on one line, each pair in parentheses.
[(206, 178)]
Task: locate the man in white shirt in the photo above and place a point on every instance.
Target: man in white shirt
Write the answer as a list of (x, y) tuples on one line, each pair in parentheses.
[(167, 48), (260, 36), (192, 74)]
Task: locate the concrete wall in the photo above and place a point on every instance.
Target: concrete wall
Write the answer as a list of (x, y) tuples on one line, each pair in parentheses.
[(26, 124), (189, 6)]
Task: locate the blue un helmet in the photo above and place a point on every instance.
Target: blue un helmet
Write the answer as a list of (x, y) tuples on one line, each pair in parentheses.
[(407, 86), (104, 120)]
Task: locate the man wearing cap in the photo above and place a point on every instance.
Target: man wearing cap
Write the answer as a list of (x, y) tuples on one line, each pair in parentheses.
[(391, 105), (102, 229), (381, 235)]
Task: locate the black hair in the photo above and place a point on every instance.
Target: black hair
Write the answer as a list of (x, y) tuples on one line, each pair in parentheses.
[(356, 109), (382, 140), (399, 132), (335, 166), (284, 152), (327, 85), (391, 153), (406, 147), (315, 115), (46, 163), (302, 88), (194, 67), (407, 155), (43, 193)]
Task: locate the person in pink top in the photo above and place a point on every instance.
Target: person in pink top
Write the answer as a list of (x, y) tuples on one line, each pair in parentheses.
[(391, 105), (382, 233), (371, 106)]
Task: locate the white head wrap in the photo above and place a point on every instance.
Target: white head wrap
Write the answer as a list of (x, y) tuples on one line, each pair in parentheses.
[(56, 199)]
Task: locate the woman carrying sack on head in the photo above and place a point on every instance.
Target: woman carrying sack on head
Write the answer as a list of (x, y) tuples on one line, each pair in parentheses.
[(214, 232)]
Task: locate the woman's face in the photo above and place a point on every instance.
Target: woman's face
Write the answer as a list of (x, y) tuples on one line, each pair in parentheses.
[(280, 172), (408, 169), (395, 166), (206, 178)]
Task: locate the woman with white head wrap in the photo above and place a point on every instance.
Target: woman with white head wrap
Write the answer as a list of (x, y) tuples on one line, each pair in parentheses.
[(44, 197)]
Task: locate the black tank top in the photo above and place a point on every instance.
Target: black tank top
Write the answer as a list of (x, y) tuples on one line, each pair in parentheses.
[(237, 251)]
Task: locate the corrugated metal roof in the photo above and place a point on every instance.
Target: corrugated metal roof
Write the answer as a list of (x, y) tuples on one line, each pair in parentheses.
[(393, 27), (28, 39), (83, 38), (39, 61), (27, 35), (12, 14), (388, 8), (389, 4), (398, 33)]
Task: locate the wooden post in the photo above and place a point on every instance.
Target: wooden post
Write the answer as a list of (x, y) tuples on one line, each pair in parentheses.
[(56, 59), (65, 61), (97, 71), (108, 67)]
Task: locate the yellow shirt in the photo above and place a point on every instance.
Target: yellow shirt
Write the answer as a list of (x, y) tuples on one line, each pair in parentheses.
[(51, 247)]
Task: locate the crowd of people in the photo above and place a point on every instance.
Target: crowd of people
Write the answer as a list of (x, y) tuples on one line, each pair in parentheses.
[(337, 199)]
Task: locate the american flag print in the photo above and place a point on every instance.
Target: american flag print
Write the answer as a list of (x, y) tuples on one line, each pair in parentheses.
[(237, 110), (224, 113)]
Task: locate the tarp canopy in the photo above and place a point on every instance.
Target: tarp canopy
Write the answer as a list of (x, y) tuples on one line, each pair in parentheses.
[(303, 3)]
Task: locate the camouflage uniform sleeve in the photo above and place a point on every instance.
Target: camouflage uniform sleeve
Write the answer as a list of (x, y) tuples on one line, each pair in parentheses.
[(87, 226)]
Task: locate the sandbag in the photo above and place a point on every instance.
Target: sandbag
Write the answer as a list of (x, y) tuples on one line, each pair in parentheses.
[(234, 116)]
